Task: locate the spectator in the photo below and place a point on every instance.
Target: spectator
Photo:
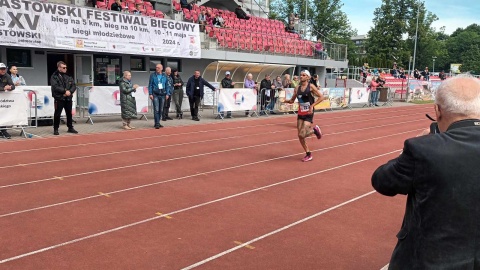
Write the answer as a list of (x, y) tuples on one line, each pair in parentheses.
[(195, 91), (416, 74), (17, 79), (63, 88), (290, 28), (202, 20), (6, 84), (227, 83), (287, 83), (364, 72), (268, 93), (373, 92), (426, 74), (185, 4), (168, 98), (319, 50), (241, 14), (291, 18), (128, 104), (439, 173), (296, 22), (295, 81), (116, 6), (138, 9), (251, 84), (442, 75), (315, 81), (218, 21), (177, 93), (157, 90), (401, 73), (209, 18)]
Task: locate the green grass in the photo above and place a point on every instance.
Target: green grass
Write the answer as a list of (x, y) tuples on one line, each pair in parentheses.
[(422, 101)]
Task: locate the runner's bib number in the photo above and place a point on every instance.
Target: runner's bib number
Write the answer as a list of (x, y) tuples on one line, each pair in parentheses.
[(304, 108)]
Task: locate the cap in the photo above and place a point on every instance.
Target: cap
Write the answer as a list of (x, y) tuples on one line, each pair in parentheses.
[(227, 73), (306, 72), (2, 65)]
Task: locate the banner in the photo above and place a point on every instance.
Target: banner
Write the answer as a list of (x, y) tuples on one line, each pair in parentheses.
[(49, 25), (106, 100), (337, 97), (45, 102), (13, 109), (359, 95), (237, 99), (287, 94), (325, 104), (455, 68)]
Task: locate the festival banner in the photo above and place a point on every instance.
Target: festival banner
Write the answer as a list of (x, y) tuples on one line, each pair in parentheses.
[(237, 99), (325, 104), (106, 100), (45, 102), (42, 24), (359, 95), (13, 109)]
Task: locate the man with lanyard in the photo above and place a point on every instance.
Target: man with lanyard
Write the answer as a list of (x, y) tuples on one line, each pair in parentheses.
[(63, 87), (305, 93), (158, 91)]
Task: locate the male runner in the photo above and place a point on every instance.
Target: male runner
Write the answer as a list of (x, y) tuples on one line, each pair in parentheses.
[(305, 93)]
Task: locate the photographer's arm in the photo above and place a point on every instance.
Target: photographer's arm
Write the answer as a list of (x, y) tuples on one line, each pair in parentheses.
[(396, 176)]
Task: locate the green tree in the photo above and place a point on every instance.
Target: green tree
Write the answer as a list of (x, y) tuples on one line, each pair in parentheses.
[(464, 48)]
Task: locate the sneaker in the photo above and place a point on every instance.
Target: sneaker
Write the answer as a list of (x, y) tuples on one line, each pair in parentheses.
[(307, 158), (127, 127), (196, 119), (6, 135), (72, 130), (317, 132), (164, 119), (131, 127), (169, 118), (55, 132)]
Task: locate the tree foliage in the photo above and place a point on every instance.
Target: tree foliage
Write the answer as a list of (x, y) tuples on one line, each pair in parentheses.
[(463, 47)]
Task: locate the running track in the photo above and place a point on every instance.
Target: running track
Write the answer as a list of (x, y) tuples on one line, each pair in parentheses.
[(229, 195)]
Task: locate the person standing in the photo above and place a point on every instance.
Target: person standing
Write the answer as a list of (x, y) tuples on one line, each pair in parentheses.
[(63, 87), (195, 91), (251, 84), (295, 81), (6, 84), (128, 103), (157, 90), (373, 92), (306, 93), (267, 90), (440, 175), (168, 99), (17, 79), (177, 93), (227, 83)]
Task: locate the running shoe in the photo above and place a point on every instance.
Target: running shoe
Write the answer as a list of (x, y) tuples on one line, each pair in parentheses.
[(307, 158), (317, 132)]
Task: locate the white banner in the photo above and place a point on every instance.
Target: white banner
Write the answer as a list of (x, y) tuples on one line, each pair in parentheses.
[(237, 99), (359, 95), (49, 25), (45, 102), (13, 109), (106, 100)]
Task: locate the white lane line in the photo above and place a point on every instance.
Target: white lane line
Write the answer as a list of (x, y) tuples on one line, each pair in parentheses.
[(277, 231), (183, 157), (171, 145), (200, 174), (190, 208), (196, 132)]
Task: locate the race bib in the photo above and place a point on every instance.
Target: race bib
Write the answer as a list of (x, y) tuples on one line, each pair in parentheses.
[(304, 108)]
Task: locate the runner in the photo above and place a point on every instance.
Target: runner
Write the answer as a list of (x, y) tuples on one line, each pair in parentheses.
[(305, 93)]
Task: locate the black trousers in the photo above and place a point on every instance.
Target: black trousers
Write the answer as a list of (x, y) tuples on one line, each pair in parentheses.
[(166, 107), (194, 104), (59, 106)]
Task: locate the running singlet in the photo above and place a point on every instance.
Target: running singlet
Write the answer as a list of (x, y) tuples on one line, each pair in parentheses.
[(305, 100)]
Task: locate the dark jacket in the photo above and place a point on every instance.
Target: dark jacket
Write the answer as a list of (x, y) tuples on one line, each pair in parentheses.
[(240, 13), (267, 85), (128, 103), (176, 80), (6, 80), (60, 83), (116, 7), (440, 173), (191, 86), (227, 83)]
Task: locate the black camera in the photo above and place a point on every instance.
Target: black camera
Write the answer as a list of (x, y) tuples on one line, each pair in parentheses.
[(433, 126)]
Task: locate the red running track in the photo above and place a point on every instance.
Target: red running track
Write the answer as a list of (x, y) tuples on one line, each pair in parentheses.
[(233, 195)]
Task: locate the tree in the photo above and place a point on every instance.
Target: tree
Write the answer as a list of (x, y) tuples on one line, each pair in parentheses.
[(464, 48)]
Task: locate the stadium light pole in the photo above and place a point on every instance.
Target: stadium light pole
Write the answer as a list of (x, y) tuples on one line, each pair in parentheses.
[(414, 48)]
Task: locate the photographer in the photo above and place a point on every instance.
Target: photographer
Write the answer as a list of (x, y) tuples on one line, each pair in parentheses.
[(440, 173)]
